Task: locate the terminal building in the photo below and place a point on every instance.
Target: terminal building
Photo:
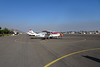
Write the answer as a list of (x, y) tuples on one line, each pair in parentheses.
[(83, 32)]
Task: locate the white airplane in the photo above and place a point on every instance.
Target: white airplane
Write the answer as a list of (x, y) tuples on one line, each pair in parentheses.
[(44, 34), (31, 33)]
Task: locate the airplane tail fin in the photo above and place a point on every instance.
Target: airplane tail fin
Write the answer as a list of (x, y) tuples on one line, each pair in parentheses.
[(31, 31)]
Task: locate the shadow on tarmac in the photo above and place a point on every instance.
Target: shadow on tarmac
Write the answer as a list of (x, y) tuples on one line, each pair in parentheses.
[(44, 38), (92, 58)]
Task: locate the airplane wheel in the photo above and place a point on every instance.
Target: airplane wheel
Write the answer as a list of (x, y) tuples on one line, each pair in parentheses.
[(51, 37)]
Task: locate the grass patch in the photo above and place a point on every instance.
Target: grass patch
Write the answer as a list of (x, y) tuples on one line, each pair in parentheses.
[(6, 34)]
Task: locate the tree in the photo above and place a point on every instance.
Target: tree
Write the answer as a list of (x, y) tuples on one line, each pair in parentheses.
[(0, 27), (5, 30), (0, 30)]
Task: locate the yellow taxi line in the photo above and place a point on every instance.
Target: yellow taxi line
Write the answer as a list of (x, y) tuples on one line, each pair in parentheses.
[(69, 55)]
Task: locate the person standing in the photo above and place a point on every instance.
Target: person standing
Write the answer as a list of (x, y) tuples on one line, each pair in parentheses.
[(61, 35)]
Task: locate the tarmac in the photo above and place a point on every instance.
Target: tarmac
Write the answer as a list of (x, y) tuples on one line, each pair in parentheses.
[(68, 51)]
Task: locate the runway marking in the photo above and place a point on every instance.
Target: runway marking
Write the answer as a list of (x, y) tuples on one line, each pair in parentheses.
[(16, 40), (69, 55)]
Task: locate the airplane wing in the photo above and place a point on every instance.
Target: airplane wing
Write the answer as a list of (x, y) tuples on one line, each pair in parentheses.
[(47, 33)]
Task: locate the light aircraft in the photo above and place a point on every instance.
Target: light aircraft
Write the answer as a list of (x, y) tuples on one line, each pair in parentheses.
[(44, 34), (31, 33)]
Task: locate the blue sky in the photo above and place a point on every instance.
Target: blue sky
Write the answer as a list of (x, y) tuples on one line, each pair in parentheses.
[(57, 15)]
